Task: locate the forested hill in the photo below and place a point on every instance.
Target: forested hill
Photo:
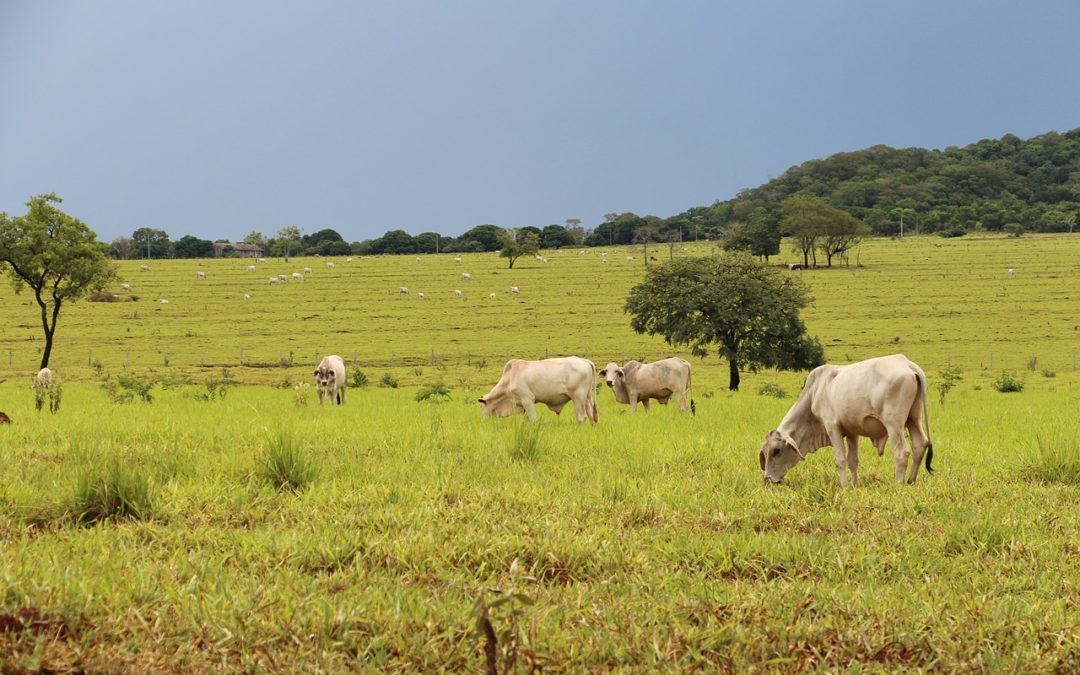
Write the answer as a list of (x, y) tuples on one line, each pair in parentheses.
[(986, 185)]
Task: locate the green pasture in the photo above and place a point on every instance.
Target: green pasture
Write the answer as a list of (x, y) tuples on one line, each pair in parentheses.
[(645, 543)]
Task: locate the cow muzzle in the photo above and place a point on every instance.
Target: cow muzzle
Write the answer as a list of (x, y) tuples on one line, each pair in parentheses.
[(769, 480)]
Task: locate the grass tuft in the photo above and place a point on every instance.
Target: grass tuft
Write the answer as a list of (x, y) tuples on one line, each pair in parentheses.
[(115, 492), (1051, 463), (526, 443), (287, 467)]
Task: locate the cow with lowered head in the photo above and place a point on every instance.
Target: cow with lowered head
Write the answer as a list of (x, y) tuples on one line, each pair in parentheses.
[(553, 382), (877, 398), (643, 382), (330, 380)]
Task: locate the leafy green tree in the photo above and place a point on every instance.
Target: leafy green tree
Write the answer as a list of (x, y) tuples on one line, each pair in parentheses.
[(316, 238), (57, 256), (518, 242), (487, 236), (257, 238), (806, 219), (428, 242), (394, 242), (193, 247), (758, 236), (556, 236), (122, 248), (328, 247), (288, 240), (153, 242), (841, 233), (748, 311)]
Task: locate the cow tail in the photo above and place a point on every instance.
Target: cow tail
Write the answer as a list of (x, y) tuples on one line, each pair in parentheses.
[(590, 400), (925, 392), (690, 391)]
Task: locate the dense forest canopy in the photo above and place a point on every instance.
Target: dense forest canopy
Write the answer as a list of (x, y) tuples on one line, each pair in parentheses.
[(1008, 184)]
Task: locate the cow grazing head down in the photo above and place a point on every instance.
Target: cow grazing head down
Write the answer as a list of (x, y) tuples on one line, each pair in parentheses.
[(498, 405), (777, 456), (612, 374)]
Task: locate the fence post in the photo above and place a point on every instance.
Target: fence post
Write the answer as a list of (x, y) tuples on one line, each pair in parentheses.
[(356, 358), (545, 352), (991, 361), (315, 359), (165, 358), (1074, 360), (948, 360), (391, 359), (468, 359), (127, 354), (11, 355), (241, 358), (432, 357), (202, 359), (90, 358)]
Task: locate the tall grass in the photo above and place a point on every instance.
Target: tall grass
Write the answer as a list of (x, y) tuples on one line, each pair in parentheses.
[(525, 446), (286, 465), (115, 491), (1055, 460)]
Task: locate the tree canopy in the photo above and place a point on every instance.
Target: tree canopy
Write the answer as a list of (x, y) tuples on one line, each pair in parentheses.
[(518, 242), (57, 256), (747, 311)]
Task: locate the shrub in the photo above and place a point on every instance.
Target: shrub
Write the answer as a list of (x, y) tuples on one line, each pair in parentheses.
[(389, 380), (952, 231), (947, 379), (770, 389), (102, 296), (286, 466), (118, 491), (359, 378), (125, 388), (1015, 230), (1007, 382), (1049, 373), (216, 388), (434, 392), (1032, 363), (303, 391)]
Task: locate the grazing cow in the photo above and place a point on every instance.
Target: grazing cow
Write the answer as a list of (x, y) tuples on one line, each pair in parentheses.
[(125, 287), (421, 296), (261, 260), (200, 275), (1012, 272), (603, 254), (144, 268), (348, 260), (43, 379), (458, 293), (275, 280), (330, 265), (283, 277), (466, 276), (794, 266), (458, 260), (543, 260), (629, 257), (876, 398), (163, 301), (4, 419), (515, 290), (403, 290), (250, 268), (330, 379), (491, 296), (246, 297), (297, 276), (553, 382), (659, 380), (307, 270)]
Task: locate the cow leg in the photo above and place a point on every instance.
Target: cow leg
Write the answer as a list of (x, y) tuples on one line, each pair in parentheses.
[(682, 402), (919, 441), (836, 437), (853, 459), (645, 404), (581, 410), (530, 410), (900, 452), (633, 402)]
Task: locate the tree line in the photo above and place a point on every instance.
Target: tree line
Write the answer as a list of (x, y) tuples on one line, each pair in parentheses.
[(825, 206)]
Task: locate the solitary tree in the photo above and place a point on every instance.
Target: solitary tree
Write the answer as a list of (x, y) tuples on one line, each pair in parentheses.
[(804, 217), (518, 242), (747, 310), (57, 256), (288, 237), (841, 233)]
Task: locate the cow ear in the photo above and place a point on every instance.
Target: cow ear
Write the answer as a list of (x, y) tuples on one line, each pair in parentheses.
[(761, 459), (603, 373), (316, 373), (620, 372), (481, 400)]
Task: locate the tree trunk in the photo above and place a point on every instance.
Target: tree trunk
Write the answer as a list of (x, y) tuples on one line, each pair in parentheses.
[(49, 331), (805, 258), (733, 374)]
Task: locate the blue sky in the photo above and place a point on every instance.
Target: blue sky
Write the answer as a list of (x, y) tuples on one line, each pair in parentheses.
[(216, 118)]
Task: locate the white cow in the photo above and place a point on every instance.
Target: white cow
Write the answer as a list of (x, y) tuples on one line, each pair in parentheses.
[(250, 268), (163, 301), (466, 276), (348, 260), (144, 268), (262, 260), (643, 382), (458, 293), (458, 260), (307, 270), (330, 379), (43, 379), (275, 280), (876, 398), (403, 290), (491, 296), (297, 276), (553, 382), (246, 297), (1012, 272), (330, 265), (200, 275), (421, 296), (283, 277), (125, 287), (515, 290)]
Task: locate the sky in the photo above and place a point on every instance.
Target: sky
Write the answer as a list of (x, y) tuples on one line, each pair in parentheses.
[(215, 118)]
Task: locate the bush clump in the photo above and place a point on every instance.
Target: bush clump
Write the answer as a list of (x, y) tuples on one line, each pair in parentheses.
[(358, 379), (770, 389), (1007, 382), (119, 491), (434, 392), (389, 380), (1053, 463)]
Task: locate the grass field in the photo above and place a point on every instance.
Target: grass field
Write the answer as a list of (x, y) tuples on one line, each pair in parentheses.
[(647, 542)]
